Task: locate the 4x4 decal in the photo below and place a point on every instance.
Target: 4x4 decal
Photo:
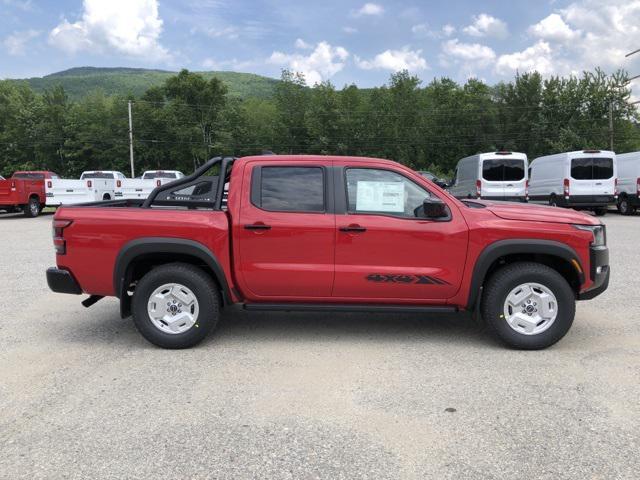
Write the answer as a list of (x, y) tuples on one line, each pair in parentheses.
[(405, 278)]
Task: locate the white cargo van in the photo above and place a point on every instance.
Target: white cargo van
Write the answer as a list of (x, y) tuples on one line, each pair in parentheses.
[(628, 182), (93, 186), (492, 176), (584, 180), (142, 187)]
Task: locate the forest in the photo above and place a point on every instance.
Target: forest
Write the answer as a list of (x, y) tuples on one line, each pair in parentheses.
[(429, 126)]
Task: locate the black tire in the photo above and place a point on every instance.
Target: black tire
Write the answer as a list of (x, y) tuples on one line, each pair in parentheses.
[(498, 287), (32, 209), (202, 286), (553, 200), (600, 211), (624, 207)]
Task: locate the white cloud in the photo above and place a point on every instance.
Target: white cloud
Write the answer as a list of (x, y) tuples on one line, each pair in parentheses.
[(301, 44), (349, 30), (553, 28), (16, 42), (448, 30), (469, 55), (536, 57), (487, 26), (584, 35), (395, 60), (131, 27), (369, 9), (321, 64)]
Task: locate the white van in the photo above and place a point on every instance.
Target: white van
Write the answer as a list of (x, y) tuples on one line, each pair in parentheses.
[(142, 187), (93, 186), (492, 176), (584, 180), (628, 182)]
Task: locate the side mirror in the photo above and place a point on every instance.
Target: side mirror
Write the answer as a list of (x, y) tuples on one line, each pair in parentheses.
[(435, 208)]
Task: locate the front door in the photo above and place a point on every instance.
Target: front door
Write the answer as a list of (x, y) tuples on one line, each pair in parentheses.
[(385, 250), (286, 232)]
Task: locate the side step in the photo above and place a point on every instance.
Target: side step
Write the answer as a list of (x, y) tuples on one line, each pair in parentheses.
[(347, 307)]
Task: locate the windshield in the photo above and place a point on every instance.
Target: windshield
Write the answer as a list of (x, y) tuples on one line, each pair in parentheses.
[(503, 170), (591, 168)]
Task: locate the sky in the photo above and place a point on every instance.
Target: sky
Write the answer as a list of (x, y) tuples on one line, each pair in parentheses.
[(344, 41)]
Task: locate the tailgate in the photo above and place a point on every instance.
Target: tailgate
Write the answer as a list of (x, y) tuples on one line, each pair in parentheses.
[(9, 194), (59, 192), (135, 188)]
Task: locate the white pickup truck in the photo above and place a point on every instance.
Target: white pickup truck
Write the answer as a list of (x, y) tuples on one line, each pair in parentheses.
[(142, 187), (93, 186)]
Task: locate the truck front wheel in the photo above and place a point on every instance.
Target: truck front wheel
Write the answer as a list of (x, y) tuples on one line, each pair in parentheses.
[(528, 305), (176, 305)]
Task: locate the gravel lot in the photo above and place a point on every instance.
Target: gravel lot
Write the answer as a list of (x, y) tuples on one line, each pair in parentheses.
[(280, 396)]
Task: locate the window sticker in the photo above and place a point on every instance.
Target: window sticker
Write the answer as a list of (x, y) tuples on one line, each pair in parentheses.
[(380, 197)]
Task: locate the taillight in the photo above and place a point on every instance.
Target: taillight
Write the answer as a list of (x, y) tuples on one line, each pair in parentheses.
[(118, 183), (478, 188), (566, 187), (59, 242), (158, 183), (13, 186), (49, 184), (638, 186), (89, 183)]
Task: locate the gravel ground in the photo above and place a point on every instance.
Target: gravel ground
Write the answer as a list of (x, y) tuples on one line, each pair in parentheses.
[(281, 396)]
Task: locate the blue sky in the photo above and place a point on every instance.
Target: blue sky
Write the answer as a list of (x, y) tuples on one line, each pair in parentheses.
[(342, 41)]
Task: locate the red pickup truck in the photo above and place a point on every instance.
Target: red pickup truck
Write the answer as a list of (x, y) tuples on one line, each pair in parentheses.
[(24, 191), (330, 234)]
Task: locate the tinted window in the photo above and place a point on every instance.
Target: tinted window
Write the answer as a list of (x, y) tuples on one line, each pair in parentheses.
[(591, 168), (97, 175), (384, 192), (503, 170), (150, 175), (292, 189), (30, 176)]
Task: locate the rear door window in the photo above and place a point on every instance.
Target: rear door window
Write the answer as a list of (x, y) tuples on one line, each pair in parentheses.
[(291, 189), (591, 168), (503, 170)]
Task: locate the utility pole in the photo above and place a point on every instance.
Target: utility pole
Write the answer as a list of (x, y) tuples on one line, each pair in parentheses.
[(133, 173), (611, 125), (633, 78)]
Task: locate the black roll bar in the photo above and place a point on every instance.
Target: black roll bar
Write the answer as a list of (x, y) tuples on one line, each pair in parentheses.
[(194, 176)]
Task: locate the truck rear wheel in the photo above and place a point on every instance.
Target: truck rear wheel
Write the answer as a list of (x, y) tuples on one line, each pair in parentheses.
[(600, 211), (528, 305), (32, 209), (176, 306), (624, 207)]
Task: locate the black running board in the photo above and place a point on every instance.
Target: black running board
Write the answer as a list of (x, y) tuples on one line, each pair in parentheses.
[(331, 307)]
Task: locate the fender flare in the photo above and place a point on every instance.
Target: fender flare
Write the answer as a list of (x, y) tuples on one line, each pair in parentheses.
[(502, 248), (152, 245)]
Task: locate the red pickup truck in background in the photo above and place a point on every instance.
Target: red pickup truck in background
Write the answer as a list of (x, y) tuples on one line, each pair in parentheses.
[(329, 234), (24, 191)]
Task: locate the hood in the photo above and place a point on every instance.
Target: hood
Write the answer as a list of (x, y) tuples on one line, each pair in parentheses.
[(538, 213)]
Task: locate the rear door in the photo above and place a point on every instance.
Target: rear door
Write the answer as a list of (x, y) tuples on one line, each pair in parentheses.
[(603, 176), (592, 176), (384, 249), (515, 177), (286, 231), (492, 176)]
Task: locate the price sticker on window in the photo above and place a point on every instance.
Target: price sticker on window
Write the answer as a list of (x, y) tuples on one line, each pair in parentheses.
[(380, 197)]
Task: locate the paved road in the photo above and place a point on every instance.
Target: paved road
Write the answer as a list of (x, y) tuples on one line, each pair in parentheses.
[(82, 395)]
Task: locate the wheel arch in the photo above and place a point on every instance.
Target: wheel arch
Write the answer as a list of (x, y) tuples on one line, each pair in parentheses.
[(141, 255), (554, 254)]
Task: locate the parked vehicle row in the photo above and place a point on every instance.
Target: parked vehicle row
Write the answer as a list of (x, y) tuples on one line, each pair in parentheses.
[(583, 180)]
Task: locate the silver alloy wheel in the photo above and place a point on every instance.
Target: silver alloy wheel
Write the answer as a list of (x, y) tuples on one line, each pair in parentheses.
[(173, 308), (530, 308), (35, 208)]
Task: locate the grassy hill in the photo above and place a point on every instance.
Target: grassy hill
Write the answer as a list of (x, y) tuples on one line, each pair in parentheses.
[(79, 81)]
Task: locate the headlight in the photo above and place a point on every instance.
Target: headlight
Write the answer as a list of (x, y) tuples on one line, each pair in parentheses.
[(598, 231)]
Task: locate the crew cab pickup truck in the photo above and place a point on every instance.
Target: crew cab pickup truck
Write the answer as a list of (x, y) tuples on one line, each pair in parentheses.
[(93, 186), (142, 187), (329, 234), (25, 192)]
